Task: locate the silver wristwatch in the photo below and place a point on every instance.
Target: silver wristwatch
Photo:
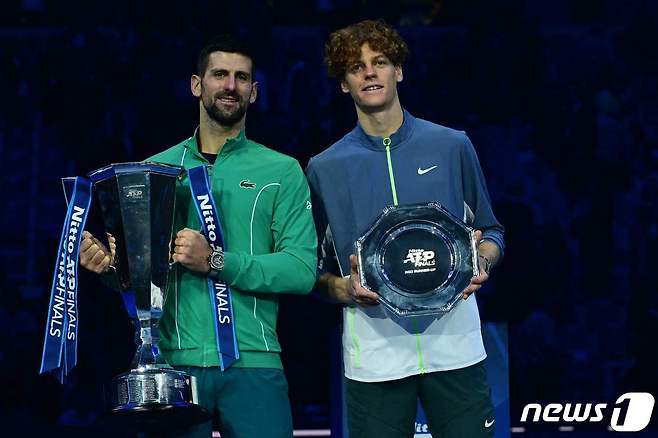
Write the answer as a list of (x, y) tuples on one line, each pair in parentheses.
[(216, 261)]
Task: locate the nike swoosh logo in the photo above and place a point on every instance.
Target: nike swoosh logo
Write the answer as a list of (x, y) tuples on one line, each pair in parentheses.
[(424, 171), (488, 424)]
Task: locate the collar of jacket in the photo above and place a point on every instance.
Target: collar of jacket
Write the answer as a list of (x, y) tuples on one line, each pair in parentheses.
[(231, 143), (377, 143)]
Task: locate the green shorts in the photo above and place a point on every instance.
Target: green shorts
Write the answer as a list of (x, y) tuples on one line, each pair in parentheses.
[(457, 404), (248, 402)]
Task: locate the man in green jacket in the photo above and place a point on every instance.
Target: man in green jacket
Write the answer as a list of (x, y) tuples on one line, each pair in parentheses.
[(264, 208)]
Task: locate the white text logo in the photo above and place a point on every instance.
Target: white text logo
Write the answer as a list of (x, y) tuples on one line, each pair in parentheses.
[(635, 406), (420, 258)]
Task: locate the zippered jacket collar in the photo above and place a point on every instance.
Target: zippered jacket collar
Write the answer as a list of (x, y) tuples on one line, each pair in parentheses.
[(192, 144), (377, 143)]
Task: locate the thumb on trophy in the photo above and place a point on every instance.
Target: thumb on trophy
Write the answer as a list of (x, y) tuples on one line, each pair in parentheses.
[(478, 236), (113, 248), (354, 264), (94, 256), (357, 293)]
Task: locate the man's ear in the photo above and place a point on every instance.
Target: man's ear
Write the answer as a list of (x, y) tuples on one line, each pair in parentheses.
[(195, 85), (398, 73), (254, 92), (343, 87)]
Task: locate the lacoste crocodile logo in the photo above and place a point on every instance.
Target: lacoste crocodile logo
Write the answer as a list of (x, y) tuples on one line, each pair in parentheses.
[(246, 184)]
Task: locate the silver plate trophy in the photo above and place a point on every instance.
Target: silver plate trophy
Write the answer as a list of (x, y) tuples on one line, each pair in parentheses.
[(137, 202), (418, 258)]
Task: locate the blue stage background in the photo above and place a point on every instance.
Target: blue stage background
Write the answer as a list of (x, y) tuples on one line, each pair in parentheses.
[(560, 99)]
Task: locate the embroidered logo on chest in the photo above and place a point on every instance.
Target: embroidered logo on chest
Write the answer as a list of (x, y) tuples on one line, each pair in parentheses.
[(424, 171), (246, 184)]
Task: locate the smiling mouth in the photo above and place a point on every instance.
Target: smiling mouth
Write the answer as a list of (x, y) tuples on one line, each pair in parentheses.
[(372, 88), (228, 99)]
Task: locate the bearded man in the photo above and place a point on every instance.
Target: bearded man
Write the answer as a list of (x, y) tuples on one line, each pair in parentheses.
[(264, 208)]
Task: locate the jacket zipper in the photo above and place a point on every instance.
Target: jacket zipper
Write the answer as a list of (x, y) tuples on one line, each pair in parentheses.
[(387, 144)]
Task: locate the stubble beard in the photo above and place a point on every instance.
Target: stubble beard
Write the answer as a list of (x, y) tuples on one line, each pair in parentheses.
[(225, 118)]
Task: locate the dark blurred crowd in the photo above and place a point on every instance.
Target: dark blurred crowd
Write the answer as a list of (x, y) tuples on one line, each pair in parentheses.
[(559, 98)]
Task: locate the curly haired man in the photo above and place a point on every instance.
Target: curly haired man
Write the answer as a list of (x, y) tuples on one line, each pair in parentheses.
[(391, 157)]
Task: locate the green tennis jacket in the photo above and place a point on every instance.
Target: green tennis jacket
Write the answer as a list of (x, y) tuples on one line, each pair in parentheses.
[(264, 207)]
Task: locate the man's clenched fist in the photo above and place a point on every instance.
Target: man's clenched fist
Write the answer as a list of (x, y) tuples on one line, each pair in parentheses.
[(94, 256), (192, 250)]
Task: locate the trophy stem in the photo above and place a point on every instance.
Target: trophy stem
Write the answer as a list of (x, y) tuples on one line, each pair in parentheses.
[(148, 354)]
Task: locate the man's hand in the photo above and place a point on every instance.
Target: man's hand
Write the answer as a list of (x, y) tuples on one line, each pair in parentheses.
[(355, 292), (192, 250), (95, 256), (478, 280)]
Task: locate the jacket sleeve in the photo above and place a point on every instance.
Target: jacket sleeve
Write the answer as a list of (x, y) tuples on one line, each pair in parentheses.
[(327, 259), (290, 268), (477, 198)]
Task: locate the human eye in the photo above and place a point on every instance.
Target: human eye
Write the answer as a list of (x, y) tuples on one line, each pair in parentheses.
[(219, 73), (381, 62), (355, 68), (243, 77)]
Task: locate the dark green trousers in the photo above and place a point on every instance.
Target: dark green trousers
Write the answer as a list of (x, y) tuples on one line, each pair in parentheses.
[(249, 402), (457, 404)]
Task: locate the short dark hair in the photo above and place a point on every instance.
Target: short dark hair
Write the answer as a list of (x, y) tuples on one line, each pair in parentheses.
[(223, 43), (344, 45)]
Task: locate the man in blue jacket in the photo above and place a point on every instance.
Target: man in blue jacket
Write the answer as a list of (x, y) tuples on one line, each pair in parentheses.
[(392, 157)]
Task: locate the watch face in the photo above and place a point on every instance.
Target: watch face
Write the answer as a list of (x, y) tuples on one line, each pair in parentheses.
[(217, 260), (487, 265)]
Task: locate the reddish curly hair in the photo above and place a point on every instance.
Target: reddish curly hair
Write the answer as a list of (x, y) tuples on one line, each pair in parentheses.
[(344, 45)]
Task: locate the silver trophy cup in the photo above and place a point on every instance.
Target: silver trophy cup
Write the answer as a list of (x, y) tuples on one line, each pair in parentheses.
[(419, 258), (137, 202)]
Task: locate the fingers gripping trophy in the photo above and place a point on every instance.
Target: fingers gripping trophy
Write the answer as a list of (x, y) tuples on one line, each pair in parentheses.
[(137, 202)]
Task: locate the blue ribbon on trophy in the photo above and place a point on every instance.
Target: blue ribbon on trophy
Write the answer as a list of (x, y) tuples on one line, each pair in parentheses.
[(137, 201), (220, 294), (60, 344)]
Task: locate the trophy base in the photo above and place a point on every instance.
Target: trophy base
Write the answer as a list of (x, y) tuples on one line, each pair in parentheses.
[(153, 399)]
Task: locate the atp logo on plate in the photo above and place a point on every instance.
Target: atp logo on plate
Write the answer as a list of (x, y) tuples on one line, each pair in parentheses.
[(420, 258)]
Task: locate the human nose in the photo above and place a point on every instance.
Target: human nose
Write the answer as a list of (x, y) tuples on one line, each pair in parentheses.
[(370, 71), (229, 82)]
